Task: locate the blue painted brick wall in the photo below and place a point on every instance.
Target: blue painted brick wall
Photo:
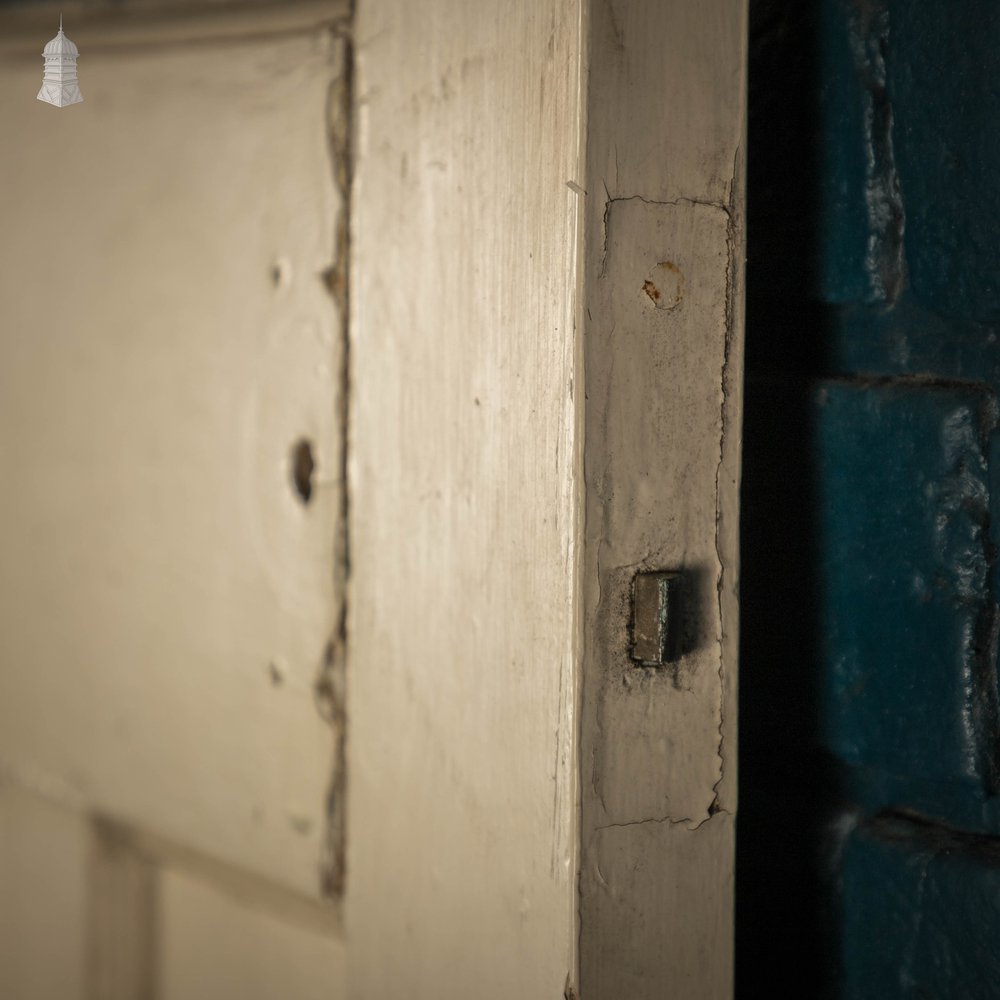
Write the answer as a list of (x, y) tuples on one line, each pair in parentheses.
[(869, 843)]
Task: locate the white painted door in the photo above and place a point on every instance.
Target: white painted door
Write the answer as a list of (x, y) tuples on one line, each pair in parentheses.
[(319, 536), (172, 345)]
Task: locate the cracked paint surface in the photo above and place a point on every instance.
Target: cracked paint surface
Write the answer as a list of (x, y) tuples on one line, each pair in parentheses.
[(663, 366), (330, 685), (658, 495), (656, 752)]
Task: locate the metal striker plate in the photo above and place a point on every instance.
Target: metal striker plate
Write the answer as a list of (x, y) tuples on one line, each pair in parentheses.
[(657, 618)]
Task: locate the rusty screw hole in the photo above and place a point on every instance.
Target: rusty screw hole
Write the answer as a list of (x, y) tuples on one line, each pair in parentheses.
[(303, 467)]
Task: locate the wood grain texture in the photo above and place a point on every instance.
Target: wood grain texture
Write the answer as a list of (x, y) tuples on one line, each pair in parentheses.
[(663, 362), (464, 500)]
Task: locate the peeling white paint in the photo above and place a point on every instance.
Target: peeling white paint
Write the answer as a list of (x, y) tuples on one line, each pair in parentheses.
[(663, 379)]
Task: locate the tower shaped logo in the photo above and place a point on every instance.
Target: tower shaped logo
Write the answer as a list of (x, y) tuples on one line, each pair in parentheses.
[(60, 85)]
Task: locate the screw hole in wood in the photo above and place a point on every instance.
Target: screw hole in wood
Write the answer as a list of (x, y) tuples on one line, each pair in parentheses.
[(303, 466)]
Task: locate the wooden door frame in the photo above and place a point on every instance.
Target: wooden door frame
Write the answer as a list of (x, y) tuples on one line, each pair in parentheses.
[(635, 159), (544, 398), (663, 372)]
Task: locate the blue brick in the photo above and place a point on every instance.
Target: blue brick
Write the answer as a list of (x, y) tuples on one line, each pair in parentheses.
[(905, 562), (920, 914)]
